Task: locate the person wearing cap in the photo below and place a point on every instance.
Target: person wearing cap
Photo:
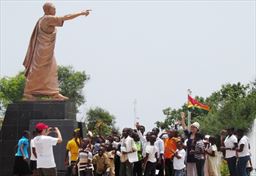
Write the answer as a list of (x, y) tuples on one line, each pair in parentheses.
[(44, 149), (190, 134), (72, 148)]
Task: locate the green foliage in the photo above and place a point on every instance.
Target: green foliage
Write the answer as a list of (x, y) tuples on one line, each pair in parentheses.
[(1, 122), (71, 85), (238, 109), (234, 105), (224, 171), (11, 89), (100, 121)]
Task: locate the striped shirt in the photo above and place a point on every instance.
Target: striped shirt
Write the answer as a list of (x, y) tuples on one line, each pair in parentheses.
[(85, 159), (199, 149)]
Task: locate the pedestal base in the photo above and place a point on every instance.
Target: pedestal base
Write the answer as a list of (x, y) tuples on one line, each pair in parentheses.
[(22, 116)]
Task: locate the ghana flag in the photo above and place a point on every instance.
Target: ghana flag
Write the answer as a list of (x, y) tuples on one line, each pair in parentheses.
[(193, 103)]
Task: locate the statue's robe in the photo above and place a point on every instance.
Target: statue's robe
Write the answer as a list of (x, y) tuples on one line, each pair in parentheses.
[(40, 63)]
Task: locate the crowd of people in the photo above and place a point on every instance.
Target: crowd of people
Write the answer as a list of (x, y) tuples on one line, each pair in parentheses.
[(173, 152)]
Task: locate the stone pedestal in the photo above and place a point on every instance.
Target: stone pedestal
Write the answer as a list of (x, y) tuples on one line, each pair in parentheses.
[(24, 115)]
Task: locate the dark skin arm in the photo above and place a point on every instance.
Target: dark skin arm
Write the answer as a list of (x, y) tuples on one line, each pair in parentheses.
[(226, 148), (34, 151), (66, 157), (210, 153), (160, 160), (22, 151), (145, 160), (241, 148), (176, 155)]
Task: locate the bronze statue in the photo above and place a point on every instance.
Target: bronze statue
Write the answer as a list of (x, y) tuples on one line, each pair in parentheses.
[(40, 64)]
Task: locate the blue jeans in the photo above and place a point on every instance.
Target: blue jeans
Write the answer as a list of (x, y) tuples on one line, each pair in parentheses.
[(179, 172), (232, 165), (241, 165)]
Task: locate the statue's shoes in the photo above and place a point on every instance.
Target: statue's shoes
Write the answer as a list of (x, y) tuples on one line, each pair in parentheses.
[(29, 97), (59, 97)]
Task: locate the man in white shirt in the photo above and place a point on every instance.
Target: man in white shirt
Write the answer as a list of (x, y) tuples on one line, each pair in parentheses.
[(44, 149), (150, 159), (243, 152), (230, 144), (159, 143), (127, 146)]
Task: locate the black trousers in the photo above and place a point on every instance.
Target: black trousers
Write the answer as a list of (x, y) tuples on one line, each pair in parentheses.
[(150, 169), (137, 168), (169, 171)]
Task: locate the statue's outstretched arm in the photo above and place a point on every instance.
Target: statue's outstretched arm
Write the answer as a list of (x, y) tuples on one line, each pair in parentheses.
[(74, 15)]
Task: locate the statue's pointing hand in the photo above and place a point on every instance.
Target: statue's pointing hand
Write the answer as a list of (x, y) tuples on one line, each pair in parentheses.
[(86, 12)]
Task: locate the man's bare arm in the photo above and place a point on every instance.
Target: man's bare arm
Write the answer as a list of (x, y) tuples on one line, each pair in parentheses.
[(58, 135), (183, 123)]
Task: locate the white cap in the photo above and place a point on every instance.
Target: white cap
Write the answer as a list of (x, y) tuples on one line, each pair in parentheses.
[(196, 124)]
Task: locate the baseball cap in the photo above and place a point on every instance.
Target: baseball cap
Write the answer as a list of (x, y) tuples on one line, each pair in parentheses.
[(41, 126), (196, 124)]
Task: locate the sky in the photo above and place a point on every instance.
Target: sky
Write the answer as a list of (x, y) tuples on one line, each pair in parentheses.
[(148, 52)]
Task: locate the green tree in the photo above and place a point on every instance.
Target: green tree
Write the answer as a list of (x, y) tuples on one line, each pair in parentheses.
[(234, 105), (71, 84), (11, 89), (100, 121)]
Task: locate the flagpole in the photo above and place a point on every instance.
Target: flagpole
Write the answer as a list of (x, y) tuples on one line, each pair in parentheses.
[(189, 113)]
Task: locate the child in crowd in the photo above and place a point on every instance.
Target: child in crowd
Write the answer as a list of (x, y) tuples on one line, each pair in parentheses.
[(151, 157), (101, 163), (137, 166), (84, 162), (111, 156), (213, 168), (179, 160)]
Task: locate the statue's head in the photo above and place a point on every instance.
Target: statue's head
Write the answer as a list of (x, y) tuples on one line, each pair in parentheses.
[(49, 8)]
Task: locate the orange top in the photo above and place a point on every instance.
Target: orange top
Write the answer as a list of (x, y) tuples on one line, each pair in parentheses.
[(169, 147)]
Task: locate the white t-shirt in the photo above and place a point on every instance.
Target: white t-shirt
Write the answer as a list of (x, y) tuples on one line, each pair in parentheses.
[(44, 150), (246, 150), (32, 145), (230, 143), (160, 146), (179, 164), (151, 150)]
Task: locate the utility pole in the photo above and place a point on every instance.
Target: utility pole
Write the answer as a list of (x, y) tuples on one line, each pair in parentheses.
[(189, 113), (136, 119)]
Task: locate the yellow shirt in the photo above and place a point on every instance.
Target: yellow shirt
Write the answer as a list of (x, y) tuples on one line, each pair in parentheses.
[(73, 148)]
